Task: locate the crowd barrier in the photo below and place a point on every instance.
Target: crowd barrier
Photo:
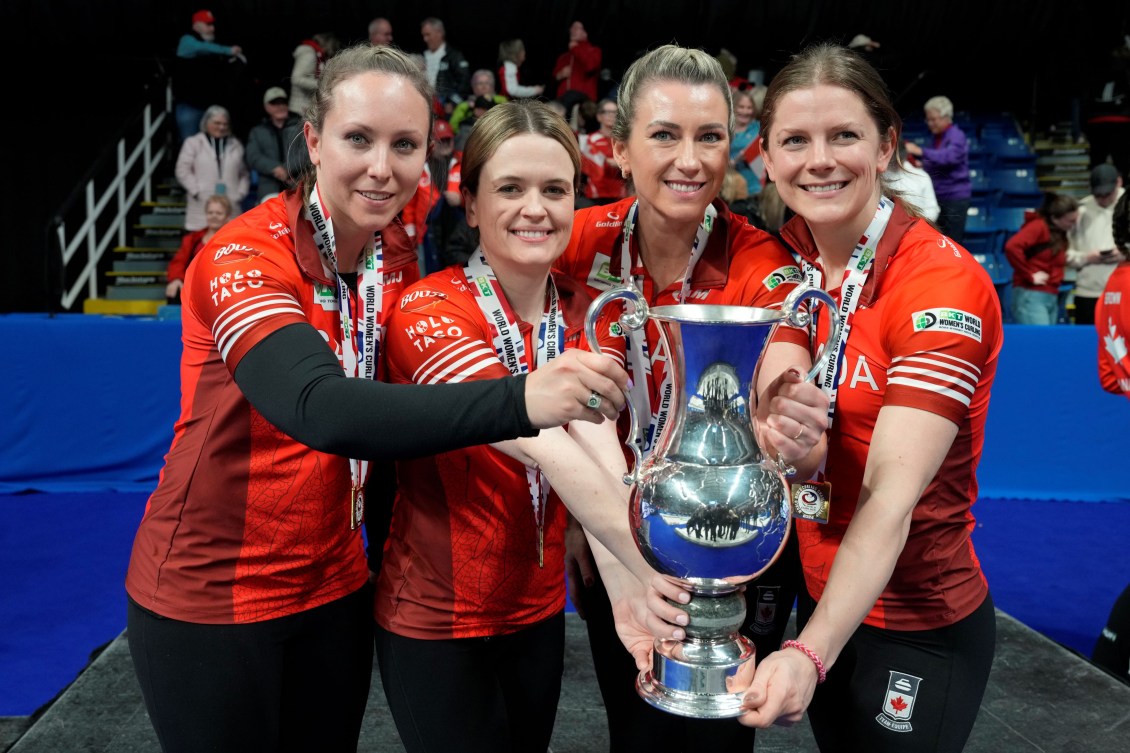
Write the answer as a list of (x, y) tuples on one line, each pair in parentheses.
[(89, 404)]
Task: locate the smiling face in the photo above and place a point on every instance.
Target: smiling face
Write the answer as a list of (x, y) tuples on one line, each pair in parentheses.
[(743, 110), (523, 207), (370, 153), (825, 154), (678, 149)]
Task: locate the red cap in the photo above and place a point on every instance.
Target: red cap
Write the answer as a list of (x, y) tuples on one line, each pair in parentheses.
[(203, 15), (442, 130)]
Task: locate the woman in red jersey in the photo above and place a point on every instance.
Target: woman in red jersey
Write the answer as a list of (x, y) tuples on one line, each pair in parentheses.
[(896, 615), (678, 244), (250, 615), (1113, 311), (472, 587)]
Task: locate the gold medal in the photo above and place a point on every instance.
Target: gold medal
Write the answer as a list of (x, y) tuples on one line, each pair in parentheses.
[(812, 500)]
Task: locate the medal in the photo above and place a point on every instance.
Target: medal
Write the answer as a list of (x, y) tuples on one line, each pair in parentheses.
[(811, 500), (358, 508)]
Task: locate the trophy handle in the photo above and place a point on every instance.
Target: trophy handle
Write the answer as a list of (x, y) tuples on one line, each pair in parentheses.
[(801, 318), (633, 319)]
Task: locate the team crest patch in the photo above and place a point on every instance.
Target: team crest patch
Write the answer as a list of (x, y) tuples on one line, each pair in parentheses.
[(765, 611), (899, 702), (779, 275), (948, 320)]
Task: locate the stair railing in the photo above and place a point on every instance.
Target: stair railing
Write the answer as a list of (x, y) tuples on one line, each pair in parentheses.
[(99, 208)]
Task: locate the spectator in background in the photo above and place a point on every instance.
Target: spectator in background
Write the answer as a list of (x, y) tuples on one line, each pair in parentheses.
[(745, 146), (199, 71), (1038, 254), (310, 57), (1112, 319), (914, 185), (604, 182), (217, 211), (482, 87), (511, 55), (478, 108), (578, 68), (447, 69), (276, 150), (209, 162), (1090, 247), (947, 163), (380, 31)]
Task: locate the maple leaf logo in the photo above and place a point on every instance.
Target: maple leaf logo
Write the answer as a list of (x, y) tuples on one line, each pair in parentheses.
[(766, 613), (1114, 342), (898, 704)]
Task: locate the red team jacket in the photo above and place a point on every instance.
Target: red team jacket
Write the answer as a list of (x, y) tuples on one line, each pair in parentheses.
[(247, 524)]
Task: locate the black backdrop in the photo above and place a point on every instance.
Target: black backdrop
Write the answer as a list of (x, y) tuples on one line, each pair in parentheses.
[(1032, 57)]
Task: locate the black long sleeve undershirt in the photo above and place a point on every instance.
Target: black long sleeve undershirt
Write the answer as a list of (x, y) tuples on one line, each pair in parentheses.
[(297, 384)]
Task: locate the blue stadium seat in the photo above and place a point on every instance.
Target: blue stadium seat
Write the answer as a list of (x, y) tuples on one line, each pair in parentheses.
[(979, 219), (1008, 219), (1013, 179)]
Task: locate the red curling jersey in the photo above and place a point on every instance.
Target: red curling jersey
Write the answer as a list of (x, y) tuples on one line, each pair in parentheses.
[(926, 335), (246, 524), (741, 266), (1112, 320), (461, 557)]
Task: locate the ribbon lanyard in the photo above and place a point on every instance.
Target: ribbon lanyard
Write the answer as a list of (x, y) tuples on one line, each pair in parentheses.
[(858, 269), (640, 362), (360, 345), (510, 347)]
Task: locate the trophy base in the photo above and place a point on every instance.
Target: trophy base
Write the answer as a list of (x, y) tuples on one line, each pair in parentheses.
[(708, 682)]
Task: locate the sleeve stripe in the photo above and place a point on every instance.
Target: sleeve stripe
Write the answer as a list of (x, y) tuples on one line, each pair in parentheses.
[(944, 361), (234, 322), (463, 357), (940, 376), (932, 387)]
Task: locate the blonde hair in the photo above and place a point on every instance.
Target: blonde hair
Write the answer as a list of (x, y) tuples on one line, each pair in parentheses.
[(668, 63)]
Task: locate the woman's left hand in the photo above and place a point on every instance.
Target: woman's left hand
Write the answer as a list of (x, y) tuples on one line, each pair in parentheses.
[(793, 415)]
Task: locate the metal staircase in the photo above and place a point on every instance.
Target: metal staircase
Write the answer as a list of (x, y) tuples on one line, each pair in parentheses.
[(116, 232)]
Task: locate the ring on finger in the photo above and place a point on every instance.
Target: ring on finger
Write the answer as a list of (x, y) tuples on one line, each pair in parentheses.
[(797, 437), (594, 400)]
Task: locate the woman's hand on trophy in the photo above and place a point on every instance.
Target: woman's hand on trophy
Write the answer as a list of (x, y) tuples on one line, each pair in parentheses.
[(665, 618), (792, 415), (781, 690)]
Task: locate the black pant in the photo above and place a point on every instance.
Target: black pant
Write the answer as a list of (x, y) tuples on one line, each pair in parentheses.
[(951, 218), (488, 695), (1085, 310), (635, 725), (894, 691), (297, 683)]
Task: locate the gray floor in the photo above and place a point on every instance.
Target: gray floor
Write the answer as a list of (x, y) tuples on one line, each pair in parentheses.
[(1041, 698)]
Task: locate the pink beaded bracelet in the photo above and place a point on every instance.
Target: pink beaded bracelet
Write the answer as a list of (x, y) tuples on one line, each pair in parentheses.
[(821, 673)]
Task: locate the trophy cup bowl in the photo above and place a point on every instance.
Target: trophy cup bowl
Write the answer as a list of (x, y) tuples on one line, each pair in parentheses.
[(707, 506)]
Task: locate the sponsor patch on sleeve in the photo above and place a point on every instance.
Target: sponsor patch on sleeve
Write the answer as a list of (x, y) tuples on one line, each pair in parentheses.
[(420, 300), (790, 273), (948, 320)]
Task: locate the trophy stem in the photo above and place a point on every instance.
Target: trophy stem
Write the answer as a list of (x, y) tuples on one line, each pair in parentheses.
[(701, 676)]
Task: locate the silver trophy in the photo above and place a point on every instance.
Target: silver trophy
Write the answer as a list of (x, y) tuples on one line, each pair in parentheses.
[(706, 505)]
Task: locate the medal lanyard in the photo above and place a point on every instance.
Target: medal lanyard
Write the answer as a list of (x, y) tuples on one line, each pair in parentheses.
[(511, 349), (858, 269), (360, 345), (640, 362)]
